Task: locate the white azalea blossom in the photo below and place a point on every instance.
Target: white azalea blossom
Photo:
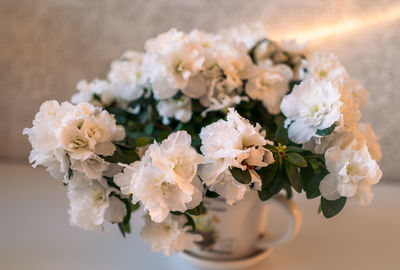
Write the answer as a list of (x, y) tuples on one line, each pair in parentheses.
[(269, 84), (126, 76), (98, 92), (341, 137), (372, 141), (327, 66), (64, 135), (351, 174), (171, 61), (169, 236), (165, 179), (116, 210), (180, 109), (90, 203), (313, 105), (228, 188), (219, 83), (232, 143)]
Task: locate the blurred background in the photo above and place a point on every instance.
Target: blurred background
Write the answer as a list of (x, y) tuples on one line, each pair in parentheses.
[(47, 46)]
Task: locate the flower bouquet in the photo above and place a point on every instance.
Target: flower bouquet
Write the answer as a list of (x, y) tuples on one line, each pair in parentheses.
[(202, 115)]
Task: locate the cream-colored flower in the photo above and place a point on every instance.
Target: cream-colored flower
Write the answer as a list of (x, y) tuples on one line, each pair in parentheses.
[(126, 76), (91, 203), (313, 105), (269, 84), (165, 179), (325, 66), (232, 143), (67, 135), (98, 92), (180, 109), (351, 174), (372, 141), (116, 210), (171, 61), (170, 236), (219, 84), (88, 203)]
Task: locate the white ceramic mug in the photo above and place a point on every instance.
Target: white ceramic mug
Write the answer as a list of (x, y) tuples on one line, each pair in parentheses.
[(238, 231)]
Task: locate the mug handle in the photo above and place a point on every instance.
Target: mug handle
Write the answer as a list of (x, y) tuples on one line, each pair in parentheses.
[(293, 212)]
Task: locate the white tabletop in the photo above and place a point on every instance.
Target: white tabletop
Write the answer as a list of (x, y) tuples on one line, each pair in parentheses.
[(35, 233)]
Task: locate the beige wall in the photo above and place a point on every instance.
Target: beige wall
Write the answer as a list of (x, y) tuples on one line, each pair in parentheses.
[(46, 46)]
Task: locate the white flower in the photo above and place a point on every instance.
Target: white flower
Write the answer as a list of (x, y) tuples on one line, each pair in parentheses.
[(351, 174), (341, 137), (269, 84), (325, 66), (98, 92), (353, 96), (171, 60), (126, 76), (165, 179), (246, 34), (219, 83), (169, 236), (228, 188), (232, 143), (312, 105), (67, 135), (90, 133), (116, 210), (180, 109), (88, 203), (93, 166), (371, 139), (46, 150)]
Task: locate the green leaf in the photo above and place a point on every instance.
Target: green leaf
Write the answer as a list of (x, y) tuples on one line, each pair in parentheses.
[(281, 136), (70, 173), (142, 141), (296, 159), (332, 208), (197, 211), (274, 187), (294, 176), (289, 192), (123, 155), (293, 83), (190, 222), (319, 209), (268, 173), (278, 183), (176, 213), (148, 129), (252, 51), (125, 226), (177, 95), (326, 131), (265, 195), (271, 148), (122, 229), (293, 149), (278, 120), (243, 177), (306, 174), (312, 190), (211, 194), (135, 207)]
